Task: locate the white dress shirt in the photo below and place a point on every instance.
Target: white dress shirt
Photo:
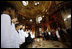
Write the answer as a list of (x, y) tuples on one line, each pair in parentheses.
[(32, 35), (15, 36), (22, 36)]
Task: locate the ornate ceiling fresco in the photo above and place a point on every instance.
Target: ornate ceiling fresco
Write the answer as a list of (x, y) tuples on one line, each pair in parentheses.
[(32, 10)]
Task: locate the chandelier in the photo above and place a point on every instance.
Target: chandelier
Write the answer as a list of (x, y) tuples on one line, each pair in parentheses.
[(25, 3)]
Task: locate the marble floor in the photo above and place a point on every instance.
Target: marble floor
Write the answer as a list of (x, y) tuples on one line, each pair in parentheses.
[(40, 43)]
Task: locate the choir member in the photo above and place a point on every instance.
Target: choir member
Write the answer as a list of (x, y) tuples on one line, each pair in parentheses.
[(7, 40), (61, 33), (15, 34), (49, 33), (57, 34), (32, 34), (21, 35)]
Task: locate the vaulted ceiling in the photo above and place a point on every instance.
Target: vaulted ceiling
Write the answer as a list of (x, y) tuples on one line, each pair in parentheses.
[(31, 10)]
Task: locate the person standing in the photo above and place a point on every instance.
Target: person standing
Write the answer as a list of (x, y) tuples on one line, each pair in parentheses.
[(61, 33), (6, 27), (57, 34), (21, 36), (15, 34)]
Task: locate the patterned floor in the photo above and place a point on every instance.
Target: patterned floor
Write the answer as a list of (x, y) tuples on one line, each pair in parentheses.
[(40, 43)]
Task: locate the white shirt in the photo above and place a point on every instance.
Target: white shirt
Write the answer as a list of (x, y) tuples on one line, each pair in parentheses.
[(32, 35), (6, 32), (26, 34), (57, 33), (22, 35), (49, 33), (15, 36)]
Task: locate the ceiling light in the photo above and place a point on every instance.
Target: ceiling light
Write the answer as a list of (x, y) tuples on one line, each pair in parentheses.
[(69, 16), (25, 3), (36, 3), (39, 18)]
